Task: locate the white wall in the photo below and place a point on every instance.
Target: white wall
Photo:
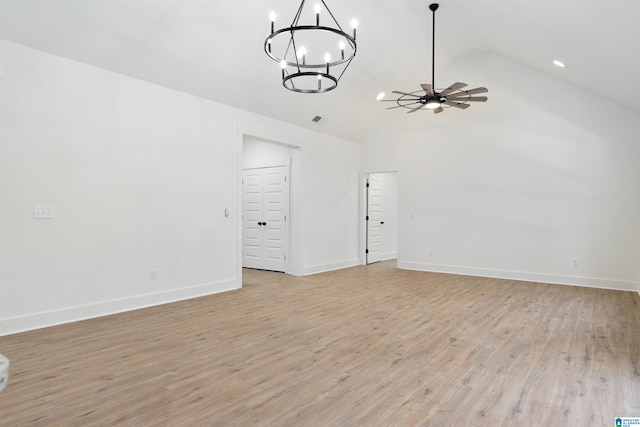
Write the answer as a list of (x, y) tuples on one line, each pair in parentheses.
[(330, 208), (139, 176), (257, 152), (1, 174), (518, 187)]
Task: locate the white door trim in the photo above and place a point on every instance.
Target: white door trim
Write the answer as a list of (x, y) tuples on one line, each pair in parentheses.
[(268, 163)]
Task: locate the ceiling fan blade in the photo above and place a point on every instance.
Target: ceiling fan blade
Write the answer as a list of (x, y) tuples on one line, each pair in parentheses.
[(471, 98), (453, 88), (428, 89), (405, 93), (395, 106), (472, 91), (438, 110), (457, 104), (417, 108)]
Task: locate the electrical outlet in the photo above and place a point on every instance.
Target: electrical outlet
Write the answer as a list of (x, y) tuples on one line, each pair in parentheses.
[(153, 275), (575, 263)]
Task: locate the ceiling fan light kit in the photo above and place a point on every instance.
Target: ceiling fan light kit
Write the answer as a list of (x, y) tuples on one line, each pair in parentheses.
[(429, 98), (314, 51)]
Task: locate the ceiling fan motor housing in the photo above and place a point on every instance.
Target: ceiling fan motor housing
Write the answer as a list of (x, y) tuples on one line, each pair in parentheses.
[(425, 99)]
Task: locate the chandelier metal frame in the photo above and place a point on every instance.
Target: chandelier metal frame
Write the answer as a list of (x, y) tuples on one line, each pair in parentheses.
[(295, 69)]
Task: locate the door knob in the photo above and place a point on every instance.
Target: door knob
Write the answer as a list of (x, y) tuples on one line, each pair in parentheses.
[(381, 222), (260, 223)]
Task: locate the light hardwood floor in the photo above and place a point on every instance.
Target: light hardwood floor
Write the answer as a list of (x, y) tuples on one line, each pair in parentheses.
[(365, 346)]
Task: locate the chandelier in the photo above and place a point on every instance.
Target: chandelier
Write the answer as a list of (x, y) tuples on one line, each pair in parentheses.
[(313, 56)]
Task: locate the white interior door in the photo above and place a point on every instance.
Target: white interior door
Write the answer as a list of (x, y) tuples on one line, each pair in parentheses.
[(252, 203), (265, 218), (374, 219)]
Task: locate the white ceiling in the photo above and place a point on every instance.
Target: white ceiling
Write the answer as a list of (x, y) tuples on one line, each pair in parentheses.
[(214, 48)]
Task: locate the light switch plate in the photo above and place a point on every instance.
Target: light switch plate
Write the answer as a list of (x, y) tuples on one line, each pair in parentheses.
[(43, 212)]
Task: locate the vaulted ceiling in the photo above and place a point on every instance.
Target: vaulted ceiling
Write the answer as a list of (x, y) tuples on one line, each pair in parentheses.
[(214, 49)]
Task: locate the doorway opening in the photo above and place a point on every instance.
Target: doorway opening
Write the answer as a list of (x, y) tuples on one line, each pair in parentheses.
[(380, 225), (266, 217)]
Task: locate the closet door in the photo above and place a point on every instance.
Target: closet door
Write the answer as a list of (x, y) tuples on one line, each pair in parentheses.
[(265, 218), (374, 219), (252, 202)]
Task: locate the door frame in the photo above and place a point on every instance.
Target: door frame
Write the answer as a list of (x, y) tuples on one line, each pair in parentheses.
[(370, 218), (364, 177), (295, 193)]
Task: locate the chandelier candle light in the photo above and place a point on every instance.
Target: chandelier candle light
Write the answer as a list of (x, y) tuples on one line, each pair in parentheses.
[(313, 57)]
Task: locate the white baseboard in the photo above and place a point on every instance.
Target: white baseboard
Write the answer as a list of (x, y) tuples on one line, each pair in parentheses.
[(322, 268), (591, 282), (73, 314), (389, 255)]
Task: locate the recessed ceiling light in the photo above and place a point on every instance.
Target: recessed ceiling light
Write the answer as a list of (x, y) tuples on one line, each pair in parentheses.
[(559, 64), (380, 96)]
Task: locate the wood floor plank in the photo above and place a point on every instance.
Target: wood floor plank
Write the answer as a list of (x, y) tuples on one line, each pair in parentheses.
[(364, 346)]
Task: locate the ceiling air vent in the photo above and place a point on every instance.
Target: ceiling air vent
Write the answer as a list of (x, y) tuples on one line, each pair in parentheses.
[(316, 119)]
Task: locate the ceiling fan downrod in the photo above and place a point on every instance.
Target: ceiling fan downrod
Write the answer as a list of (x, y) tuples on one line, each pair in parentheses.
[(433, 7)]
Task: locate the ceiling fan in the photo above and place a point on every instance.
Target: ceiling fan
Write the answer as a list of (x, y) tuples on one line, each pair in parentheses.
[(429, 97)]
